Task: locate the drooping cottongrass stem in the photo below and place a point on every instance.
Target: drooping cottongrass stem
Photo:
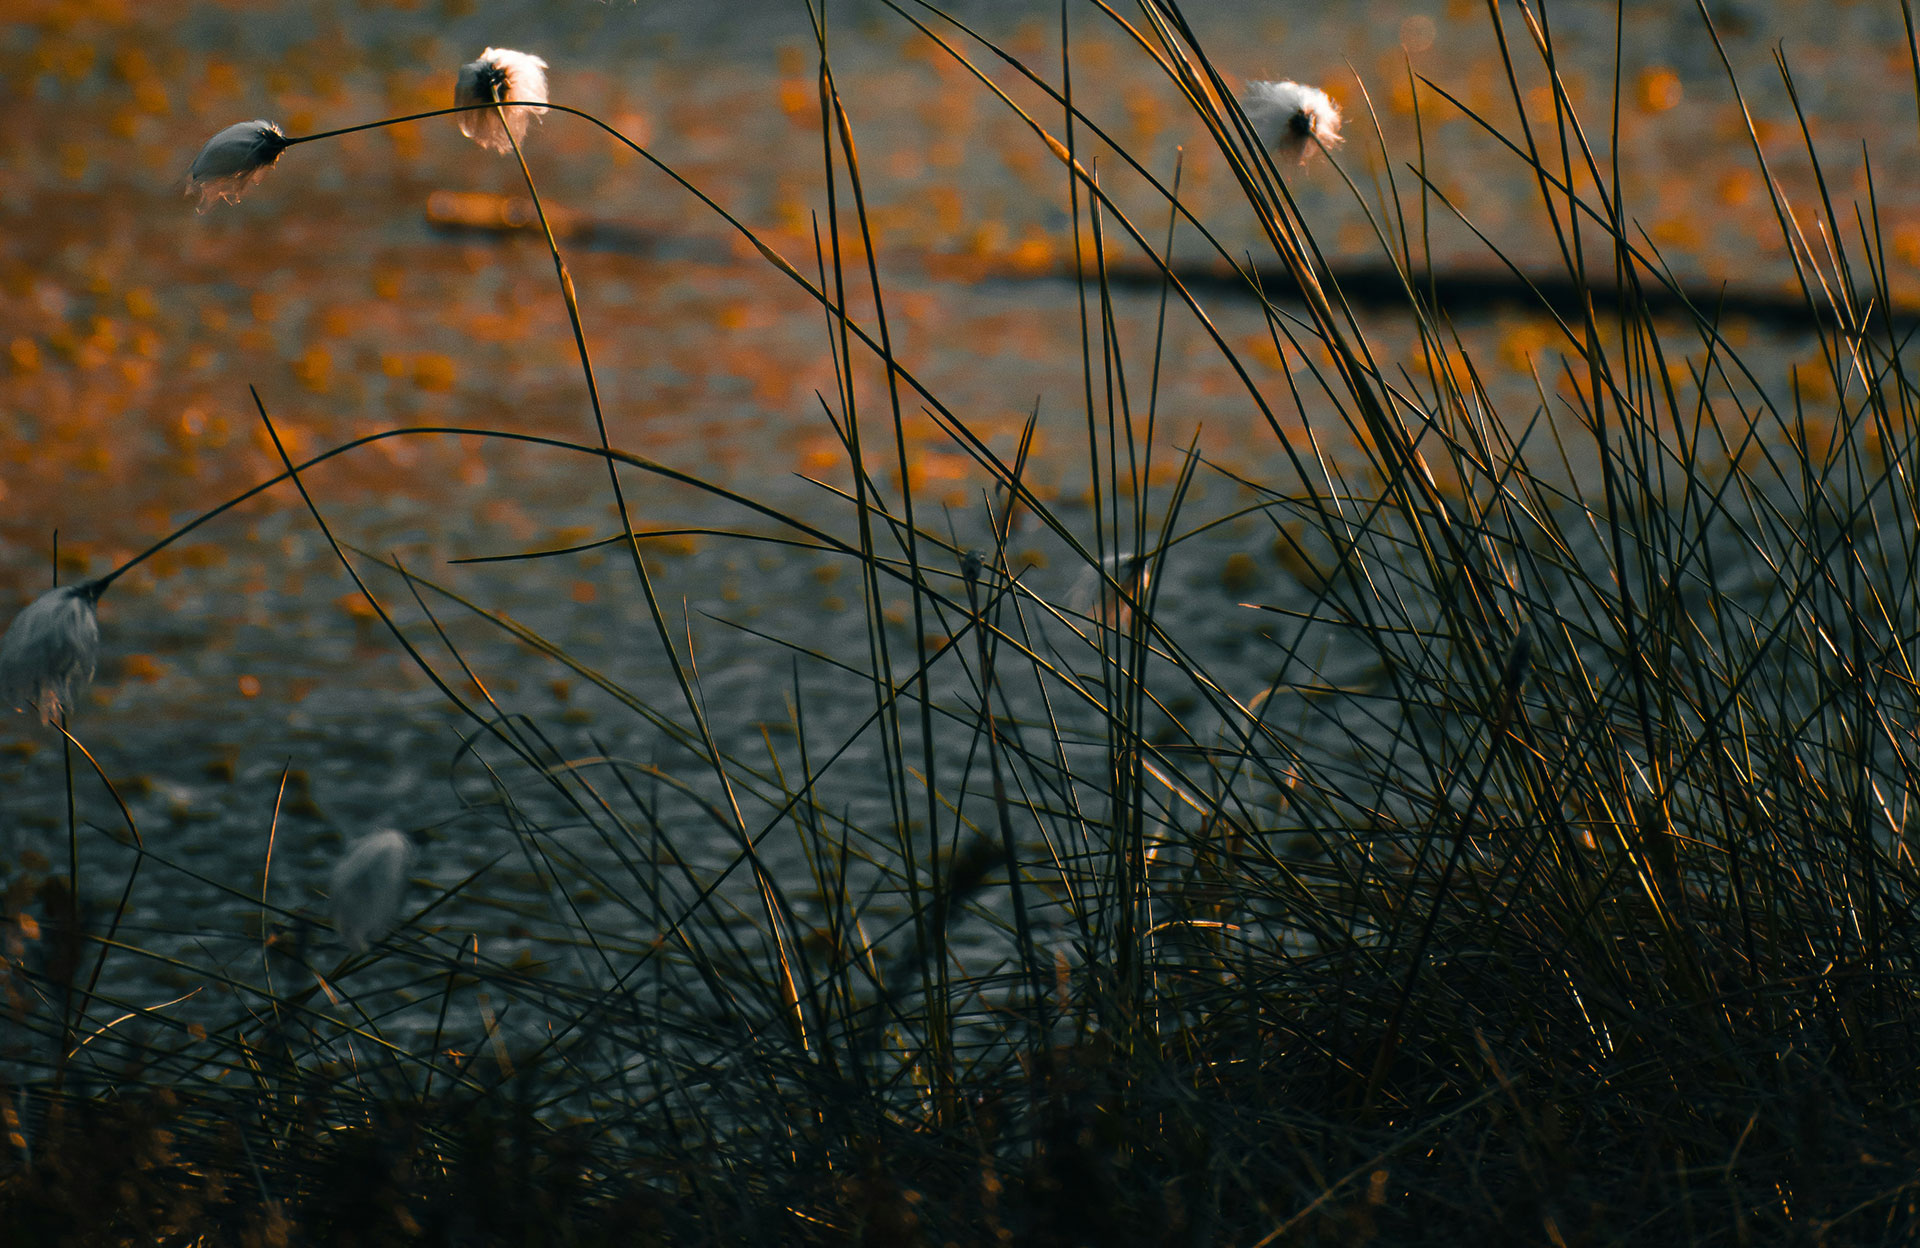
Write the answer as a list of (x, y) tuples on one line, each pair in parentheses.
[(48, 653), (240, 155), (499, 76), (368, 886), (234, 160), (1290, 116)]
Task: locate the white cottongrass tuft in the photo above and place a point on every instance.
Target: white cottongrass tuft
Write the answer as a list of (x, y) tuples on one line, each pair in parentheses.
[(368, 886), (1289, 116), (500, 75), (47, 655), (1090, 596), (234, 160)]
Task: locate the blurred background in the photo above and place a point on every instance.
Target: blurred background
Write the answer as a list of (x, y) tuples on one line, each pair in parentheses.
[(365, 285)]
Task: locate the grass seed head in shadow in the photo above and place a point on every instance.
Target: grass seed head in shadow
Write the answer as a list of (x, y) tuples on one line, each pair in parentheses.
[(48, 652), (368, 886), (1288, 117), (234, 160), (499, 76), (1090, 596)]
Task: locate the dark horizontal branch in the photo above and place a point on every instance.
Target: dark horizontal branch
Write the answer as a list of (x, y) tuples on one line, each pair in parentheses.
[(1457, 290), (1364, 285)]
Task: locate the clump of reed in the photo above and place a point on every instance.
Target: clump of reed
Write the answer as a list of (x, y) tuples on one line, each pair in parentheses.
[(1554, 888)]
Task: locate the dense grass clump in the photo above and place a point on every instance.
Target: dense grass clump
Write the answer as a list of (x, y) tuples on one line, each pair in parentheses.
[(1554, 887)]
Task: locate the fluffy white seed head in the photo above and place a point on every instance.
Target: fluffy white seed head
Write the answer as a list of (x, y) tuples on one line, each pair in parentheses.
[(1289, 116), (48, 652), (234, 160), (1092, 596), (368, 886), (500, 75)]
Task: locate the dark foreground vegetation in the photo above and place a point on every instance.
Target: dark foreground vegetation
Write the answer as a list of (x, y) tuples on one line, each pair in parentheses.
[(1555, 888)]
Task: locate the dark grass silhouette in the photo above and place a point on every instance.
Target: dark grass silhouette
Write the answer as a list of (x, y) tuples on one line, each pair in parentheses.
[(1556, 889)]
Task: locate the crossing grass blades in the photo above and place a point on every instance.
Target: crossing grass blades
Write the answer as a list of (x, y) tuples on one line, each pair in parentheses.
[(1555, 889)]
